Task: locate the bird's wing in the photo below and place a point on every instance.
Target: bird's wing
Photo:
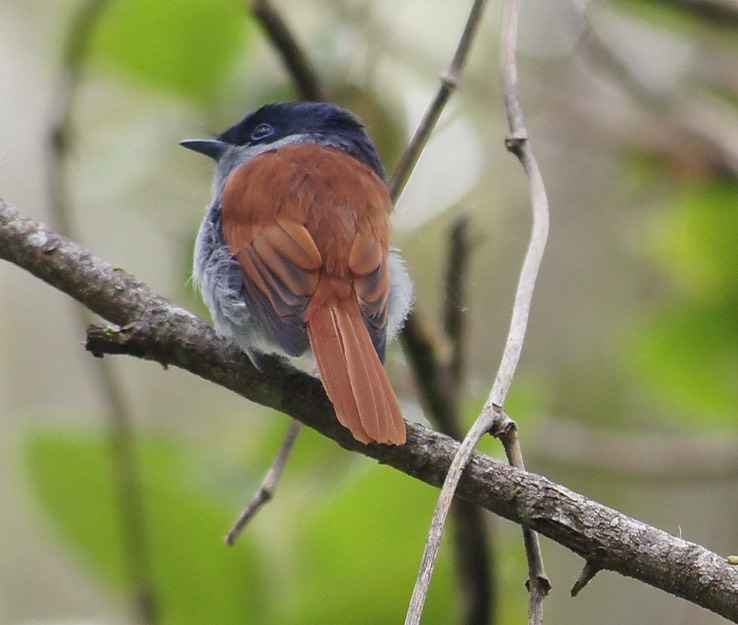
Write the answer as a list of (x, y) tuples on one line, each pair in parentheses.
[(294, 213), (369, 264), (277, 254), (310, 228)]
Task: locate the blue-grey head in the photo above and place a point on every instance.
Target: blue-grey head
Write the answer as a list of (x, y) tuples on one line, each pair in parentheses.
[(289, 123)]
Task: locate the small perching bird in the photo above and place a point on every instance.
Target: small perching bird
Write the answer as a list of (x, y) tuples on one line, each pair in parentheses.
[(294, 253)]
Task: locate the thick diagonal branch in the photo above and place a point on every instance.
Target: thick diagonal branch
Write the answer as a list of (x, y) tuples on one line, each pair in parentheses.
[(150, 327)]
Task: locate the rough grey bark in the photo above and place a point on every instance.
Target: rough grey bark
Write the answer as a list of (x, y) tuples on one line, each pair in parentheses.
[(148, 326)]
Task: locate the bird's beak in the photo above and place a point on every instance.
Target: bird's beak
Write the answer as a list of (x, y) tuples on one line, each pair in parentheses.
[(209, 147)]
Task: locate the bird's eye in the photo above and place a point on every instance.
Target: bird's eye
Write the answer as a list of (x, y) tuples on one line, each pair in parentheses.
[(262, 131)]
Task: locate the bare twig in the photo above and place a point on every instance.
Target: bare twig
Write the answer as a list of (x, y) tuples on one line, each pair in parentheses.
[(148, 326), (438, 382), (309, 87), (439, 392), (701, 124), (537, 583), (670, 457), (454, 314), (449, 82), (294, 58), (492, 413), (269, 485), (122, 444), (589, 570), (518, 143), (471, 538)]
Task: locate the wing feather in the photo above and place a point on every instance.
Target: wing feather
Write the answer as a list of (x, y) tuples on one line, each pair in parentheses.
[(353, 375), (310, 228)]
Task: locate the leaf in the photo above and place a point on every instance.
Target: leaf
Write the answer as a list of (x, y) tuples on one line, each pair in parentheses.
[(196, 579), (359, 555), (187, 47), (688, 358), (687, 352), (697, 241)]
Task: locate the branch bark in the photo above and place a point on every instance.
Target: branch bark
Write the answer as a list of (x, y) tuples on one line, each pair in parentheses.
[(148, 326)]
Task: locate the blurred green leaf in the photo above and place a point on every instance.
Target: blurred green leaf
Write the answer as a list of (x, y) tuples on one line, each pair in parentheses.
[(688, 358), (359, 555), (687, 352), (187, 46), (697, 241), (681, 18), (196, 578)]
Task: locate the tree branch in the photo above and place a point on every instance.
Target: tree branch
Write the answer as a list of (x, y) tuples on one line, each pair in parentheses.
[(294, 58), (449, 82), (269, 483), (150, 327), (438, 384), (454, 314), (439, 389), (492, 418)]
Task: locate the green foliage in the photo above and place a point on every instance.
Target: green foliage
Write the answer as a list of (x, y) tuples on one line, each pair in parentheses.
[(698, 242), (187, 47), (196, 579), (678, 17), (689, 358), (355, 552), (688, 351), (360, 554)]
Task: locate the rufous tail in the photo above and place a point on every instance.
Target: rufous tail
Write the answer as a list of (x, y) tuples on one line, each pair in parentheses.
[(353, 375)]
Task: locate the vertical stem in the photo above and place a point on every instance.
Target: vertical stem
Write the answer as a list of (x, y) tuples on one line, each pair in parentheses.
[(125, 477), (492, 416), (449, 83)]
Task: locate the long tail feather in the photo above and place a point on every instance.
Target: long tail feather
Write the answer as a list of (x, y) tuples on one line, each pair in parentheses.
[(353, 375)]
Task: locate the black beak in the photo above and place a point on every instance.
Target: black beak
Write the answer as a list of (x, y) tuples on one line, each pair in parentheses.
[(209, 147)]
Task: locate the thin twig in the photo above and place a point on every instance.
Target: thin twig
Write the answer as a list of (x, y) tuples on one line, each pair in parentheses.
[(121, 431), (438, 393), (454, 314), (635, 455), (701, 126), (150, 327), (269, 484), (438, 381), (492, 413), (589, 570), (538, 584), (475, 566), (309, 87), (418, 341), (471, 539), (449, 82), (518, 143), (294, 58)]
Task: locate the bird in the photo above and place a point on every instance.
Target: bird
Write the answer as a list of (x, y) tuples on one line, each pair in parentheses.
[(293, 255)]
